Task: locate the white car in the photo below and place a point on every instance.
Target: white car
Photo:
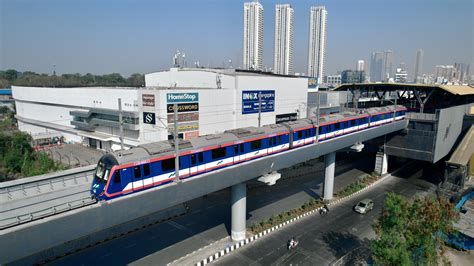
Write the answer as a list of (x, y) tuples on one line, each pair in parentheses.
[(364, 206)]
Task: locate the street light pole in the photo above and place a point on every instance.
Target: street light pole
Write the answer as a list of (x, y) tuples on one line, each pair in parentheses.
[(176, 144), (259, 108), (120, 122)]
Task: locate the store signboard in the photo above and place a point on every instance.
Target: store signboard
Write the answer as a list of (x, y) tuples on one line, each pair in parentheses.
[(184, 117), (250, 101), (148, 100), (182, 97), (286, 117), (183, 107), (188, 111), (149, 118), (183, 127)]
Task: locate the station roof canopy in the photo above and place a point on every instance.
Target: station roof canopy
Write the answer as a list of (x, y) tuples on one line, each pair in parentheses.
[(461, 90)]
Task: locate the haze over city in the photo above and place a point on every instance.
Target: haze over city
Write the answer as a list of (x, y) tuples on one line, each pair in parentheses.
[(142, 36)]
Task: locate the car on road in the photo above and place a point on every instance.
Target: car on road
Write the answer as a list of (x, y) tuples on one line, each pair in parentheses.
[(364, 206)]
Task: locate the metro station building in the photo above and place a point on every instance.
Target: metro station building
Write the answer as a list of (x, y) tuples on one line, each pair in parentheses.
[(209, 101)]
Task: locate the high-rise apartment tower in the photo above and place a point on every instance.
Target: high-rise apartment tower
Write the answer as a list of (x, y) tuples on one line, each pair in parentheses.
[(253, 36), (360, 65), (418, 66), (317, 41), (283, 53)]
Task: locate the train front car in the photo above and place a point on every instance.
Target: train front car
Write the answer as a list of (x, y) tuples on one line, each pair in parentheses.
[(102, 175)]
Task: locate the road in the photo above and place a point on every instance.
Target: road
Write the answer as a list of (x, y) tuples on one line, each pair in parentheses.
[(209, 218), (323, 239)]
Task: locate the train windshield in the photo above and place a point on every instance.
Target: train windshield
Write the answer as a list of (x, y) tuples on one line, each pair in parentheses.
[(101, 173)]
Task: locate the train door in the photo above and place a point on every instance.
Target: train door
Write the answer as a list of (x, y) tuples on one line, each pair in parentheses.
[(239, 152), (193, 164), (200, 162)]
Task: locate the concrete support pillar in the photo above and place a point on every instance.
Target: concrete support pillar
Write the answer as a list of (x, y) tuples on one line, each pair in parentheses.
[(330, 164), (239, 211), (381, 163)]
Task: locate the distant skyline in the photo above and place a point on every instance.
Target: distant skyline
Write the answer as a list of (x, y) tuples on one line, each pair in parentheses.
[(126, 36)]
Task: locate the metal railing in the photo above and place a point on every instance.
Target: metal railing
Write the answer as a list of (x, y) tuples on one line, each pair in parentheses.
[(422, 116), (53, 210), (27, 187)]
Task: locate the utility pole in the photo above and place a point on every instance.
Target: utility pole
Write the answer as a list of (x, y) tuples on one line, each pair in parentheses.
[(317, 113), (395, 112), (259, 108), (176, 144), (120, 122)]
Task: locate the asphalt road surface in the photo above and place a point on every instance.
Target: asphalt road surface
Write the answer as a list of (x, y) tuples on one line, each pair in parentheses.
[(324, 239), (209, 217)]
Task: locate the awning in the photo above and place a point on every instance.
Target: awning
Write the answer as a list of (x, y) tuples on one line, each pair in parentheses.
[(464, 150)]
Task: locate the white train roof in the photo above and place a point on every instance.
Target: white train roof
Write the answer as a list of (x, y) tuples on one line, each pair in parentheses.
[(166, 147)]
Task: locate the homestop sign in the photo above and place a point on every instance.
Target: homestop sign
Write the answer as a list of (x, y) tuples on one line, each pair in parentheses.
[(250, 101)]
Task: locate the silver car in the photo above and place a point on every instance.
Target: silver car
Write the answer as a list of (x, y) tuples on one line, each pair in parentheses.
[(364, 206)]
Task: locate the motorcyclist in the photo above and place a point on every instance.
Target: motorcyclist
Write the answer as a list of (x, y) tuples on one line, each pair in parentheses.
[(326, 207)]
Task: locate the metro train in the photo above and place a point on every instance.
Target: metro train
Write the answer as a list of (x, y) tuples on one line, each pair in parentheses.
[(151, 165)]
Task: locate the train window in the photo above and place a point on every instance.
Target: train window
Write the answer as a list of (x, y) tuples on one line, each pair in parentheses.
[(300, 134), (349, 123), (241, 148), (117, 177), (218, 153), (337, 126), (146, 169), (200, 157), (236, 149), (280, 139), (256, 144), (167, 165), (136, 171), (193, 158)]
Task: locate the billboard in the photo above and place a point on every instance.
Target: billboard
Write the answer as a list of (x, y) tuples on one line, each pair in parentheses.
[(250, 101), (312, 83)]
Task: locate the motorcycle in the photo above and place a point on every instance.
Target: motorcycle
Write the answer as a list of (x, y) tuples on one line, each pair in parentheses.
[(323, 211), (292, 244)]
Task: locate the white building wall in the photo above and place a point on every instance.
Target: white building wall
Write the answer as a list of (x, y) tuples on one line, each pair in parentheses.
[(220, 109), (97, 97), (290, 97), (189, 77)]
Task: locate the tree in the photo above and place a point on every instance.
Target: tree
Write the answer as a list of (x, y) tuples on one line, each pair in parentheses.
[(411, 232), (136, 80), (10, 75), (4, 83)]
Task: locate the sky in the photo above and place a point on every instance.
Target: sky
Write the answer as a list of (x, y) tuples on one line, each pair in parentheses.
[(141, 36)]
